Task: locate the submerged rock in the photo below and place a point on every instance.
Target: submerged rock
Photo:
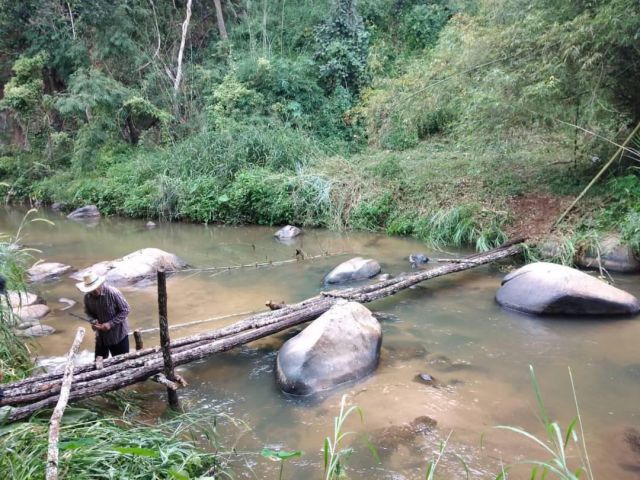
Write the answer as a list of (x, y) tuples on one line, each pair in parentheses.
[(549, 289), (136, 267), (44, 272), (417, 259), (150, 225), (287, 232), (340, 346), (390, 438), (40, 330), (357, 268), (58, 206), (611, 255), (88, 211)]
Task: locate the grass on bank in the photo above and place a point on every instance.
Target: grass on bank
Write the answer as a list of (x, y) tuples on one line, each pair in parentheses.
[(110, 448)]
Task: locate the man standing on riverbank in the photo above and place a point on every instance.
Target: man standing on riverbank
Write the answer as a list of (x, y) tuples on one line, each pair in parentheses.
[(108, 309)]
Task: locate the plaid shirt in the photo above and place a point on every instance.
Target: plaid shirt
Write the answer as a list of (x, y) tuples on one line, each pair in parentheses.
[(109, 307)]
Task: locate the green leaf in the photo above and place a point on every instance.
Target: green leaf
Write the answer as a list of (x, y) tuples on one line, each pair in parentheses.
[(137, 451), (77, 443), (280, 454), (179, 475)]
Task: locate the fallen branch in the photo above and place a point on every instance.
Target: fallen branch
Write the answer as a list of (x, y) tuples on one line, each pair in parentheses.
[(54, 424)]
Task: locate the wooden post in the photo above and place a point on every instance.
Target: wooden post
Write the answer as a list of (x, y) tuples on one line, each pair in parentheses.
[(137, 335), (164, 337), (54, 424)]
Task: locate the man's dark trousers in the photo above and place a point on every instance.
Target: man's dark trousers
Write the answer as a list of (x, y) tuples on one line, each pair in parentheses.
[(117, 349)]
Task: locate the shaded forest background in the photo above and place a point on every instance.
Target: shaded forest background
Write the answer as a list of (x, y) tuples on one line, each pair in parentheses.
[(429, 118)]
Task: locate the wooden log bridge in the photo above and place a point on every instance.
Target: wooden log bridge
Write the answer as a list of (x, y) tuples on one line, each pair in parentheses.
[(42, 391)]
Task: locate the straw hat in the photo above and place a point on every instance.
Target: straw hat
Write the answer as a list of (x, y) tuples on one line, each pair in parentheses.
[(90, 282)]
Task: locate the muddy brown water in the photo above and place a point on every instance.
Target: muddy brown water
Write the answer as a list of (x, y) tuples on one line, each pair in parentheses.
[(449, 327)]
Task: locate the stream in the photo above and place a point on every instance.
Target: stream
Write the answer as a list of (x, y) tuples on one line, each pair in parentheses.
[(449, 327)]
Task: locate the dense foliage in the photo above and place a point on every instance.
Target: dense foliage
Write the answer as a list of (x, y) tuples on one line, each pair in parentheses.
[(419, 117)]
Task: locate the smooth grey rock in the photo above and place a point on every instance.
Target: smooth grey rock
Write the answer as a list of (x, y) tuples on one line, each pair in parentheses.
[(340, 346), (43, 272), (150, 225), (288, 231), (25, 325), (384, 277), (135, 267), (549, 289), (31, 312), (612, 255), (88, 211), (17, 299), (36, 331), (357, 268), (58, 206)]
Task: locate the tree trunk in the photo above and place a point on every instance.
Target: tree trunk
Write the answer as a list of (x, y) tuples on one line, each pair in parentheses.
[(221, 28), (185, 28)]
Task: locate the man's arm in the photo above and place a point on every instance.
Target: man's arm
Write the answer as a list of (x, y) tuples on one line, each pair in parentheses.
[(122, 309)]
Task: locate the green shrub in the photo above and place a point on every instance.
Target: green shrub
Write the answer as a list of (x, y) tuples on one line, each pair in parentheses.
[(421, 24), (372, 214)]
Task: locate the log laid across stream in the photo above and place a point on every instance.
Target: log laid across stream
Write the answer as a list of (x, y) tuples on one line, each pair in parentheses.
[(42, 391)]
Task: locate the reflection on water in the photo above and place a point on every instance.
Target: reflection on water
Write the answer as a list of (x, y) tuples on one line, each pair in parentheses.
[(449, 328)]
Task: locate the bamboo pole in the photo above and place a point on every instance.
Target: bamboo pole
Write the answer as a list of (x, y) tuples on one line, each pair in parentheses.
[(54, 424), (169, 372), (595, 179)]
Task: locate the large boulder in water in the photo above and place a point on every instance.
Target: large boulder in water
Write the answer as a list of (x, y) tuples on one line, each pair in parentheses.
[(357, 268), (43, 272), (549, 289), (88, 211), (135, 267), (611, 254), (340, 346)]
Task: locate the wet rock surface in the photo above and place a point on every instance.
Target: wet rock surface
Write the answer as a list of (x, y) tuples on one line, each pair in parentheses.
[(342, 345), (548, 289), (31, 312), (134, 268), (357, 268), (39, 330), (88, 211), (287, 232), (612, 254), (47, 271)]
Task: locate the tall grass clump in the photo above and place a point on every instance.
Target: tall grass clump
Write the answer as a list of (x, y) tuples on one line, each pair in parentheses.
[(108, 448), (15, 361), (460, 226), (335, 453)]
